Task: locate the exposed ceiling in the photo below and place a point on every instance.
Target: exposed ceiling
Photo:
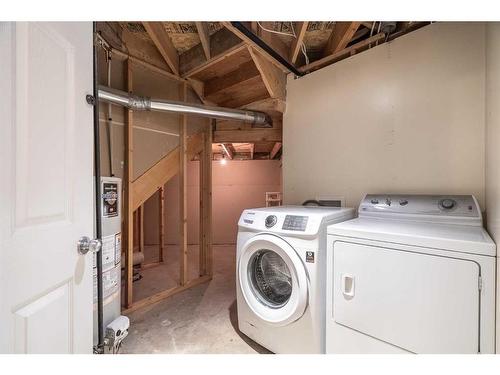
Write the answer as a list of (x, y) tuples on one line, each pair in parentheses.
[(226, 67)]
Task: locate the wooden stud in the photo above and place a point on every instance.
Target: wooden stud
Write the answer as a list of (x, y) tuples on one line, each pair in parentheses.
[(342, 34), (148, 301), (202, 268), (250, 136), (207, 215), (183, 272), (275, 150), (161, 39), (252, 149), (128, 219), (204, 34), (318, 64), (141, 228), (300, 31), (274, 79), (161, 221)]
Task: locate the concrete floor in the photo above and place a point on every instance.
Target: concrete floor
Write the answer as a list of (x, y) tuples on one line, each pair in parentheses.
[(199, 320)]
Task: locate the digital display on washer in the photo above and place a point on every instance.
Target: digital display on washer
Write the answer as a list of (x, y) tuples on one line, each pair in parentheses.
[(293, 222)]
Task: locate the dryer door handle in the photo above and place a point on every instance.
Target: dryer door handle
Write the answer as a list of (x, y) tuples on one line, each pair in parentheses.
[(347, 285)]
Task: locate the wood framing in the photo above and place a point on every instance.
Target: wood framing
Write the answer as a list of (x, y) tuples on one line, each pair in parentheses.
[(252, 150), (207, 201), (342, 34), (300, 31), (204, 37), (158, 175), (275, 150), (161, 223), (140, 215), (128, 209), (264, 53), (251, 136), (318, 64), (183, 271), (267, 105), (166, 293), (161, 39), (214, 60), (274, 79)]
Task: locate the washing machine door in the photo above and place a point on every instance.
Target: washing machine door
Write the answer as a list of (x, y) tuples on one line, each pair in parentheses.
[(273, 279)]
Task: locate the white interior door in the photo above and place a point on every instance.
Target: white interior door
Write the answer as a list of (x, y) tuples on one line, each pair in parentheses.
[(420, 303), (46, 188)]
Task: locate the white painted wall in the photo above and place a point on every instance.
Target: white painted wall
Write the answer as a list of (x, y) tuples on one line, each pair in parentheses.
[(493, 143), (407, 116)]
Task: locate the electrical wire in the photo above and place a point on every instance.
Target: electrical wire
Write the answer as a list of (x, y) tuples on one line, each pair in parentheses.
[(302, 44)]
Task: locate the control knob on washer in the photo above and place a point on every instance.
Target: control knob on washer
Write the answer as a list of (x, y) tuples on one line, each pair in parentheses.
[(271, 221)]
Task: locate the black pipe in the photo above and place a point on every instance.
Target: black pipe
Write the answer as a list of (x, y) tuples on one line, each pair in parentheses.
[(266, 48), (97, 177)]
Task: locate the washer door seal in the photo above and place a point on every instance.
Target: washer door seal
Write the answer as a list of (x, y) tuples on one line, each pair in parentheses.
[(273, 279)]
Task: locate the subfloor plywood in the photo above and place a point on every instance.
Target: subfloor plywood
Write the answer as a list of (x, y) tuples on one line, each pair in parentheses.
[(199, 320)]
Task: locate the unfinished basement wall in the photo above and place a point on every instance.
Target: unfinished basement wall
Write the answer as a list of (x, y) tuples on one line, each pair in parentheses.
[(493, 145), (236, 186), (407, 116)]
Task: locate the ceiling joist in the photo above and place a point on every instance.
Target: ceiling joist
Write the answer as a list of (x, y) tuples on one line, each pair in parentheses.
[(274, 79), (300, 31), (248, 41), (162, 41), (342, 34), (204, 34)]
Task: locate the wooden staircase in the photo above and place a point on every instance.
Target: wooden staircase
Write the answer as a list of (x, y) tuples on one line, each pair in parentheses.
[(147, 184)]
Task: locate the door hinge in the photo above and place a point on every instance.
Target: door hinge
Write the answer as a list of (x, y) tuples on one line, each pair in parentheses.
[(480, 283)]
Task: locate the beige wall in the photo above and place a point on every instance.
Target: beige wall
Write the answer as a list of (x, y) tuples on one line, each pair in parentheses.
[(236, 186), (493, 144), (407, 116)]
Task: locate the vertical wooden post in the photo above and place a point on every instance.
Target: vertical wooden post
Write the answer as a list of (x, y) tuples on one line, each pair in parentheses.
[(128, 214), (202, 264), (161, 221), (141, 228), (207, 226), (183, 273)]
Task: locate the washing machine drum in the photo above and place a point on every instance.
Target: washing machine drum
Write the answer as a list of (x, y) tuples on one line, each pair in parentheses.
[(272, 279)]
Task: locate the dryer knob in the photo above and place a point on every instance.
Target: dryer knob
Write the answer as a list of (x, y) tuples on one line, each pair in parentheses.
[(448, 204), (271, 221)]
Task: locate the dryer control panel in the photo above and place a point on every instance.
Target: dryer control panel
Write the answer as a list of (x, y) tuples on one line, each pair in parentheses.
[(462, 209)]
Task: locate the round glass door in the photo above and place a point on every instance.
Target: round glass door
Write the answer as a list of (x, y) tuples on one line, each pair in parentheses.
[(272, 279)]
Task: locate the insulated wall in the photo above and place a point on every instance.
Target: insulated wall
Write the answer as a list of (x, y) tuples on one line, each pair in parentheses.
[(404, 117)]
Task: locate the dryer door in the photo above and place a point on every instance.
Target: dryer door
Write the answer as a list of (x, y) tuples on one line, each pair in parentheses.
[(421, 303), (273, 279)]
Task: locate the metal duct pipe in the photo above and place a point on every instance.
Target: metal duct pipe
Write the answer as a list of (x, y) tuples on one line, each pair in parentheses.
[(140, 103)]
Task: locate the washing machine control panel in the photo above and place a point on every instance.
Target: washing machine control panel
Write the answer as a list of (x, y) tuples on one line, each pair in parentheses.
[(294, 222), (422, 206)]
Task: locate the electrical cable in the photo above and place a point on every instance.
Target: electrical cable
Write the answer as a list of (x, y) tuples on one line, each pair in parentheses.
[(293, 34)]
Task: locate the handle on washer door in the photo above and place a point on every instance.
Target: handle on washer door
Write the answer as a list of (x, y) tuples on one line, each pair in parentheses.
[(347, 285)]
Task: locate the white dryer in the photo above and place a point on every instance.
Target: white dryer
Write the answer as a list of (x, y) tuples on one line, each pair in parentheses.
[(411, 274), (280, 276)]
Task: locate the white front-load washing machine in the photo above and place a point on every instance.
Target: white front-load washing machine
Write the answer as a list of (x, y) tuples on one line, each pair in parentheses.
[(411, 274), (280, 276)]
